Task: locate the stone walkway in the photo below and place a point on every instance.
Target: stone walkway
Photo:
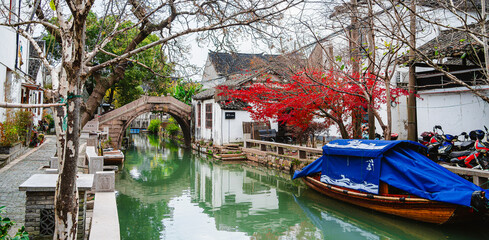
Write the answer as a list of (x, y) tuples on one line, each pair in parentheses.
[(16, 172)]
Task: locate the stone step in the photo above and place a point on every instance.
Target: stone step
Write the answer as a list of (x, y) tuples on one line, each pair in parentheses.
[(231, 145), (241, 158), (232, 155)]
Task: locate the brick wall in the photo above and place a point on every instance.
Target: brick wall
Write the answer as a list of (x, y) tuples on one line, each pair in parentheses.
[(39, 215)]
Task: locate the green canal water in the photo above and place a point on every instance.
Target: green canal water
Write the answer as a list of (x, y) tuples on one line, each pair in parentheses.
[(165, 192)]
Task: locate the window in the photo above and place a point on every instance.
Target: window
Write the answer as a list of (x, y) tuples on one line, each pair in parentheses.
[(208, 115), (199, 115)]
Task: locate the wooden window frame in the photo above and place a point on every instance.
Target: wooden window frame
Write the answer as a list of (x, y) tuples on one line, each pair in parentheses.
[(199, 115), (208, 115)]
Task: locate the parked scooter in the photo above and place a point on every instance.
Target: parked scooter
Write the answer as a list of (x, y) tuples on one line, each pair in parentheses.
[(463, 142), (462, 149), (425, 138), (479, 158), (440, 145)]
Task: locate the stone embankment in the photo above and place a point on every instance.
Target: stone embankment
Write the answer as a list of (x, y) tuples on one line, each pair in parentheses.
[(280, 156)]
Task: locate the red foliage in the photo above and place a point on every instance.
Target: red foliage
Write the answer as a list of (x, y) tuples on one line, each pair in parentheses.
[(309, 94)]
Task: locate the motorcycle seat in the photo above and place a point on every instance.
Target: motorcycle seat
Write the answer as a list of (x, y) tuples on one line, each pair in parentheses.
[(460, 154)]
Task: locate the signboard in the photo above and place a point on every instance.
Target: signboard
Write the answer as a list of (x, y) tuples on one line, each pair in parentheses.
[(229, 115)]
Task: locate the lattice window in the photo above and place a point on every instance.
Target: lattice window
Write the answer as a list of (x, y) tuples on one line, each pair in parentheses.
[(47, 222)]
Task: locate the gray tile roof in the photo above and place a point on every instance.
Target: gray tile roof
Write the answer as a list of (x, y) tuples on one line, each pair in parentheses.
[(231, 63), (451, 43), (232, 105), (206, 94)]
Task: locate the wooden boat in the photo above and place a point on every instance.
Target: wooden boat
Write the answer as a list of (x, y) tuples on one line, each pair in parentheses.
[(392, 200), (115, 157), (407, 206)]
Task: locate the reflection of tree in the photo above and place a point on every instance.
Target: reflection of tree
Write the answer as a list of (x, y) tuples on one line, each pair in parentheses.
[(153, 162), (141, 220)]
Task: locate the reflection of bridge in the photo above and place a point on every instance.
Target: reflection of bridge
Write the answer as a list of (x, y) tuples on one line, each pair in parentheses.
[(120, 119)]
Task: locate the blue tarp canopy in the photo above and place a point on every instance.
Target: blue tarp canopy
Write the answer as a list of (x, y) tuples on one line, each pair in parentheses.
[(362, 164)]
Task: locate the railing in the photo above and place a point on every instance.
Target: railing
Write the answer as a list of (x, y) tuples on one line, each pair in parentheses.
[(300, 153), (479, 177), (306, 155)]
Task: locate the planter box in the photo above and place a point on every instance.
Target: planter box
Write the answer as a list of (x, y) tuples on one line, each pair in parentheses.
[(12, 149), (10, 153)]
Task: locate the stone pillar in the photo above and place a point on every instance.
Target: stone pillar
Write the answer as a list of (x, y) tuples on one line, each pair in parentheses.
[(39, 213), (54, 163), (105, 181), (95, 164)]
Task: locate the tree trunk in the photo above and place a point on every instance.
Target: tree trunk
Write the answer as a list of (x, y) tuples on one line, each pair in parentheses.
[(387, 130), (371, 65), (72, 77), (412, 125), (355, 60)]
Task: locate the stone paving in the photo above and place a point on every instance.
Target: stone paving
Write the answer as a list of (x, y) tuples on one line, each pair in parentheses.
[(16, 172)]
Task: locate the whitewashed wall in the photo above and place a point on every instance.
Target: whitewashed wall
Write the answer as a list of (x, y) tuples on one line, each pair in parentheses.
[(455, 109), (210, 78), (232, 129), (7, 48)]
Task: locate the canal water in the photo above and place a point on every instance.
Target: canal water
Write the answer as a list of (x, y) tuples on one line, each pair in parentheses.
[(166, 192)]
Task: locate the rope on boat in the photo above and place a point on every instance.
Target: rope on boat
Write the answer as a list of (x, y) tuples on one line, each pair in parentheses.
[(402, 199)]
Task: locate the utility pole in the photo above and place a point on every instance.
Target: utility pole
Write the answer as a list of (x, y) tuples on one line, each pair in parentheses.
[(371, 69), (355, 60), (484, 38), (412, 123)]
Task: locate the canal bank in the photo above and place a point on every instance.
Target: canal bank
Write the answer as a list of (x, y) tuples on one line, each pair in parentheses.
[(170, 193)]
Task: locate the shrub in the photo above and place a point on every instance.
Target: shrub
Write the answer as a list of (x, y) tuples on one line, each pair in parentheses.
[(15, 128), (154, 125), (8, 134), (48, 118), (172, 129), (106, 144), (6, 224)]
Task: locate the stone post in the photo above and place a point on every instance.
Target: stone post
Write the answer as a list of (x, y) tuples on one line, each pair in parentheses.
[(39, 210)]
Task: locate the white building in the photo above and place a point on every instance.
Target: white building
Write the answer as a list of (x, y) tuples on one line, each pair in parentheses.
[(21, 75), (216, 118), (453, 107), (441, 101)]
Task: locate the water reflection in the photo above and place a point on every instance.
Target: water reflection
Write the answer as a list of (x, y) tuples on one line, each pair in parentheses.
[(167, 193)]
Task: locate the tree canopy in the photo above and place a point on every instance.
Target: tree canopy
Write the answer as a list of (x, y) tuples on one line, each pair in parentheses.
[(309, 95)]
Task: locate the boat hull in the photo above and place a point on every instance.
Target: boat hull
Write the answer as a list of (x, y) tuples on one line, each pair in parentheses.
[(413, 208)]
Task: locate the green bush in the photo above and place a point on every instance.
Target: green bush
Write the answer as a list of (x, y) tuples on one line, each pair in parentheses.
[(23, 121), (172, 129), (154, 125), (9, 134), (49, 119), (6, 224), (15, 129)]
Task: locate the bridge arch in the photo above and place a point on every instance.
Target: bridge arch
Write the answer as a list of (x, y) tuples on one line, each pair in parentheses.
[(120, 119)]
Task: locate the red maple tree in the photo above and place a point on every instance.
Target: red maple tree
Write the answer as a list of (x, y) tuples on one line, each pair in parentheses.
[(331, 96)]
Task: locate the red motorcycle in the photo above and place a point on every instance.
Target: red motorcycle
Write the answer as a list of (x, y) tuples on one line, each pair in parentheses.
[(425, 138), (478, 159)]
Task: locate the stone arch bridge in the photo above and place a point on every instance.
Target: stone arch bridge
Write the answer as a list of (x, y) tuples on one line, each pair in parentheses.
[(120, 119)]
